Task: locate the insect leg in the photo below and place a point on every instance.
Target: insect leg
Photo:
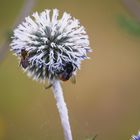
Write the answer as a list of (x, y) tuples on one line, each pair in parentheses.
[(49, 86)]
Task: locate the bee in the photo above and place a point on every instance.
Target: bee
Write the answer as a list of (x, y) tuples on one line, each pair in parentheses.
[(66, 74), (24, 62)]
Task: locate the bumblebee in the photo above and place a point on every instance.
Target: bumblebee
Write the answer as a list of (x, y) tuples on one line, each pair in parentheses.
[(24, 62), (66, 74)]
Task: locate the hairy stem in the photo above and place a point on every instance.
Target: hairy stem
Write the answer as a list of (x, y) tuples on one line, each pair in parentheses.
[(62, 109)]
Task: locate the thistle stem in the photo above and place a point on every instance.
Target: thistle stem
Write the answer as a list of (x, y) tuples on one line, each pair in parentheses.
[(62, 109)]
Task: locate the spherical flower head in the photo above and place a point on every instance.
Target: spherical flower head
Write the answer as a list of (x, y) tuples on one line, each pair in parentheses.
[(136, 137), (50, 43)]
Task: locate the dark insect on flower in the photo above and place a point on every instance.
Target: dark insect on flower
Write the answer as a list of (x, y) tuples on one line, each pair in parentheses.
[(67, 73), (24, 62)]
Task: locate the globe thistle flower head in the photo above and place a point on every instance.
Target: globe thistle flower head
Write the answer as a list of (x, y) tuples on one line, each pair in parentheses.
[(50, 43), (136, 137)]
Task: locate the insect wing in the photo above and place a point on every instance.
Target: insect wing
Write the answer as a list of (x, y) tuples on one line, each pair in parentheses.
[(73, 79)]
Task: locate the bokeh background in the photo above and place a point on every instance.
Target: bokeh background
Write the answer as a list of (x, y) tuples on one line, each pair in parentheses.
[(106, 98)]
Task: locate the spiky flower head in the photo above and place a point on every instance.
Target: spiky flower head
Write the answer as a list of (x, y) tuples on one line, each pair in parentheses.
[(51, 42), (137, 137)]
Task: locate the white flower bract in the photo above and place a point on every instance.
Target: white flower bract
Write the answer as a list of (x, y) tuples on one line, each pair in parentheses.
[(51, 43), (137, 137)]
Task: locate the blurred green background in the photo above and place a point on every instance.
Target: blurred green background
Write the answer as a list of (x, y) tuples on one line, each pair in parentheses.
[(106, 97)]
